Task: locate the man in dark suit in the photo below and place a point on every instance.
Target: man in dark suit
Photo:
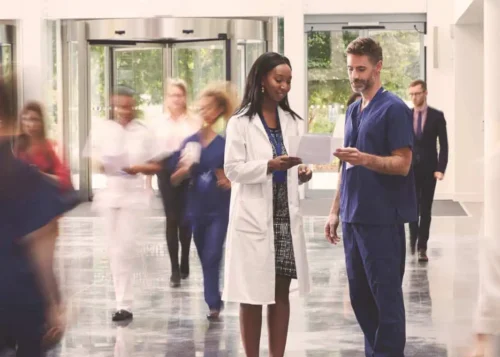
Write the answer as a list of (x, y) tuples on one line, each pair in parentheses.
[(429, 165)]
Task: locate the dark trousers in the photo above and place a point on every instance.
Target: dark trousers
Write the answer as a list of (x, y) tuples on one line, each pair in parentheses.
[(24, 326), (178, 227), (425, 186), (209, 236), (375, 262)]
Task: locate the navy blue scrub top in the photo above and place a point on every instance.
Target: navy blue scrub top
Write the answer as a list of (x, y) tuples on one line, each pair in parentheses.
[(205, 199), (366, 196)]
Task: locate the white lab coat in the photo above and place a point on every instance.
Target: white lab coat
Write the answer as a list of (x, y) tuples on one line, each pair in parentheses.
[(135, 144), (249, 272)]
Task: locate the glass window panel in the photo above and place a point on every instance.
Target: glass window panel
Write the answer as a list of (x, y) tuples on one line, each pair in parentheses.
[(199, 64), (142, 70), (74, 130), (328, 81)]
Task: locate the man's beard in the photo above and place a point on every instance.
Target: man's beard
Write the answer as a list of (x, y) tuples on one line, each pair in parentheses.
[(361, 85)]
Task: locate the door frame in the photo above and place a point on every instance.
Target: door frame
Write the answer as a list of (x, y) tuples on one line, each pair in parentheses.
[(363, 24), (163, 32)]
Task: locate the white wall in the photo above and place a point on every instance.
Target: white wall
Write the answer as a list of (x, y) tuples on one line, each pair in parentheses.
[(366, 6), (440, 80), (202, 8), (66, 9), (10, 10), (469, 97), (459, 8)]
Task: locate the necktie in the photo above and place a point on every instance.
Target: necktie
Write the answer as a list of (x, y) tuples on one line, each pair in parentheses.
[(419, 125)]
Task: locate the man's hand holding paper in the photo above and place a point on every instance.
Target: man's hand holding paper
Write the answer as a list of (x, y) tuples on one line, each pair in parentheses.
[(314, 149)]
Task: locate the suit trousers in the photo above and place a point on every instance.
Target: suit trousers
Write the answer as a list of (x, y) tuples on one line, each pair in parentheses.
[(425, 186), (122, 227)]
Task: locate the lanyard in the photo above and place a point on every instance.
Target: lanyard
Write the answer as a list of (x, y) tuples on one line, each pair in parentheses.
[(272, 138), (278, 176)]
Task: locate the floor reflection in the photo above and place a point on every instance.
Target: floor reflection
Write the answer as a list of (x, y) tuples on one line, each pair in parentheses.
[(439, 299)]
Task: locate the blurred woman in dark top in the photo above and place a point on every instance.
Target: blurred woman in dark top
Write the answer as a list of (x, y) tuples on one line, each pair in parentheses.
[(28, 203)]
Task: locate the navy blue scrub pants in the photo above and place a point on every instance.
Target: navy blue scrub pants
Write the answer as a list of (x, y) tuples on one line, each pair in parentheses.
[(375, 262), (209, 235)]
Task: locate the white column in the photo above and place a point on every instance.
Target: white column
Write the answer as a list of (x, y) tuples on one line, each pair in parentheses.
[(469, 115), (295, 50), (32, 45), (488, 320)]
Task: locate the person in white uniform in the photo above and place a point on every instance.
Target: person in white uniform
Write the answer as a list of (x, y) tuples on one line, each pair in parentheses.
[(171, 130), (122, 148), (487, 319), (265, 246)]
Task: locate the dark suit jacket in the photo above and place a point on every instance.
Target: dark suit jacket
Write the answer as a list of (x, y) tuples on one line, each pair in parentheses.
[(425, 151)]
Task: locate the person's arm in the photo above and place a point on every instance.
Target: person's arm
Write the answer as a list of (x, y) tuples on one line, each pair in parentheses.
[(443, 144), (149, 168), (400, 138), (180, 175), (335, 209), (333, 222), (61, 172), (398, 163)]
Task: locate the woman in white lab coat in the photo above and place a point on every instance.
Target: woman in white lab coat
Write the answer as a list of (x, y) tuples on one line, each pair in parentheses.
[(265, 246), (123, 149)]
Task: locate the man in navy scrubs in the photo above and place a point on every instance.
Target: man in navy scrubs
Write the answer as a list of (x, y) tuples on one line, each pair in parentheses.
[(376, 196)]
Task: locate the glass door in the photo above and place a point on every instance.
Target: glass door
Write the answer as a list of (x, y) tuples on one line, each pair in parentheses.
[(198, 64), (328, 82), (248, 52), (138, 68)]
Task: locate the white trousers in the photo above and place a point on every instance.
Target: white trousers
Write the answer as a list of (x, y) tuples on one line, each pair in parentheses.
[(488, 309), (122, 228)]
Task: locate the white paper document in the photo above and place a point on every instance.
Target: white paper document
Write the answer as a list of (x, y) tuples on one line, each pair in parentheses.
[(114, 165), (314, 149)]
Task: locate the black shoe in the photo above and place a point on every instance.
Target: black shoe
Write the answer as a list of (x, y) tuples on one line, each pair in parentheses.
[(413, 245), (422, 256), (184, 271), (122, 315), (213, 315), (175, 280)]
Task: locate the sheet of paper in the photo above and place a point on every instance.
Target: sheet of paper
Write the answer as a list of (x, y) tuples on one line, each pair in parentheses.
[(314, 149), (113, 165)]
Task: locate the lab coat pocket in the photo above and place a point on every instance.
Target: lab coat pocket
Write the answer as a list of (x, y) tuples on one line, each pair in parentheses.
[(251, 216)]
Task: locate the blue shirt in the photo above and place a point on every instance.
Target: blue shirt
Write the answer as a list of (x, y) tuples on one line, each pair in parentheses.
[(205, 199), (367, 196)]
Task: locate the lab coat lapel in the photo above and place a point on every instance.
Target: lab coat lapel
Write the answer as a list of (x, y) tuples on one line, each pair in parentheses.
[(284, 122), (255, 120)]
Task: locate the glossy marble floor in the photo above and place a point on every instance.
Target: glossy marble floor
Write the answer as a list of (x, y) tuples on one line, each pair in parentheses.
[(440, 298)]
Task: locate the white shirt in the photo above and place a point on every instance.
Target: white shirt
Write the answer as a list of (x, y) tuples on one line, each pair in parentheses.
[(115, 146), (170, 134)]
